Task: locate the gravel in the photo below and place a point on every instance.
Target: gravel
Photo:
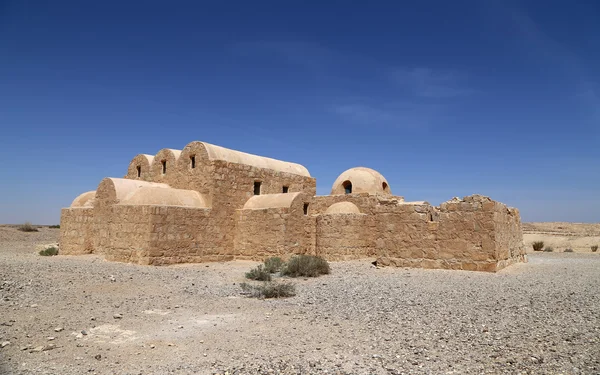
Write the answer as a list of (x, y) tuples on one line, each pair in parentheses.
[(536, 318)]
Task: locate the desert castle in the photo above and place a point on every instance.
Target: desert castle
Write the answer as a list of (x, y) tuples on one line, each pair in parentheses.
[(208, 203)]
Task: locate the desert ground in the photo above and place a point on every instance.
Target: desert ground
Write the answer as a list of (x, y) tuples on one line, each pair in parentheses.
[(83, 315), (561, 236)]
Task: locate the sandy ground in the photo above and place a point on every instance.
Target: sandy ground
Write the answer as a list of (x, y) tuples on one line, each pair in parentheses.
[(59, 316), (561, 236)]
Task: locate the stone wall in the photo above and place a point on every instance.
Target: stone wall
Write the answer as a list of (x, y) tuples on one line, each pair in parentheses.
[(76, 230), (345, 236)]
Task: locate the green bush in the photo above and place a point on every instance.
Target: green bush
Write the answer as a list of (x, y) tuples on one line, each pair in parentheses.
[(49, 251), (54, 226), (594, 248), (548, 249), (569, 250), (306, 265), (258, 273), (27, 227), (269, 290), (538, 245), (273, 265)]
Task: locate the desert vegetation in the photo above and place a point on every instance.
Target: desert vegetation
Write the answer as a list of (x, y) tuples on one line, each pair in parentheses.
[(594, 248), (538, 245), (305, 265), (51, 251), (27, 227), (549, 249), (269, 289)]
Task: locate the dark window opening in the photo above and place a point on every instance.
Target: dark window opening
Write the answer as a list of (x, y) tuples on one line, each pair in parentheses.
[(347, 187), (305, 208), (286, 189), (257, 187), (384, 186), (164, 166), (430, 216), (139, 170), (193, 159)]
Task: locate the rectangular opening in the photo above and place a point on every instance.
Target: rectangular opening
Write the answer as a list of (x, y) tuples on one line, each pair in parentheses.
[(164, 166), (257, 187), (139, 171), (305, 208), (286, 189), (193, 161)]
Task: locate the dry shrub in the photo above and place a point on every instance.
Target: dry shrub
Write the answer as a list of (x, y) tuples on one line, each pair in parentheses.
[(548, 249), (538, 245), (259, 273), (273, 265), (51, 251), (569, 250), (306, 265), (27, 227), (269, 290), (594, 248)]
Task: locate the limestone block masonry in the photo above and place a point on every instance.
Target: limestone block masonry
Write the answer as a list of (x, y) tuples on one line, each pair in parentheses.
[(207, 203)]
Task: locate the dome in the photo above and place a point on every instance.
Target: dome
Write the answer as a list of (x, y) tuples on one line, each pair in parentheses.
[(85, 200), (343, 208), (360, 180)]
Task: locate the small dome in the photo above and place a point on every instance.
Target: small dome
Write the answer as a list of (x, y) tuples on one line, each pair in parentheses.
[(85, 200), (343, 208), (360, 180)]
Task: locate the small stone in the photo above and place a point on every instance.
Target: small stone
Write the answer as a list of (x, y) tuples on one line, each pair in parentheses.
[(58, 329), (49, 347), (92, 318), (98, 357), (152, 346), (51, 338), (170, 344), (4, 344), (37, 349), (112, 279), (84, 332), (34, 305), (118, 316), (24, 347)]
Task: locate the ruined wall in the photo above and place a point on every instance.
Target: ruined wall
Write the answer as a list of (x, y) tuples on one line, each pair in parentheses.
[(76, 230), (467, 234), (508, 236)]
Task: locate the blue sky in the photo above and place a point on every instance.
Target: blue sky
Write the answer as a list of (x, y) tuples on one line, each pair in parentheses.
[(500, 98)]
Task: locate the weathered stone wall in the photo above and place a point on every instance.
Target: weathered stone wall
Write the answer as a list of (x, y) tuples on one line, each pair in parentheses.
[(282, 231), (345, 236), (475, 234), (76, 231)]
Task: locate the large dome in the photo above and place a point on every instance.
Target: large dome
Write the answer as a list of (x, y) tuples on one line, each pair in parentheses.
[(360, 180)]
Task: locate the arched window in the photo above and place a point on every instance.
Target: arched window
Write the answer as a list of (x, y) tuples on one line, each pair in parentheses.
[(385, 186), (347, 187), (164, 166)]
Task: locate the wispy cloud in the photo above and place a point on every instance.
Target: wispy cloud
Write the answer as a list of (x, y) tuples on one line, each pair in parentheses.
[(407, 116), (429, 83)]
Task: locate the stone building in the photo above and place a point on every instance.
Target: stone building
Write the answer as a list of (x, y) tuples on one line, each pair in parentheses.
[(208, 203)]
